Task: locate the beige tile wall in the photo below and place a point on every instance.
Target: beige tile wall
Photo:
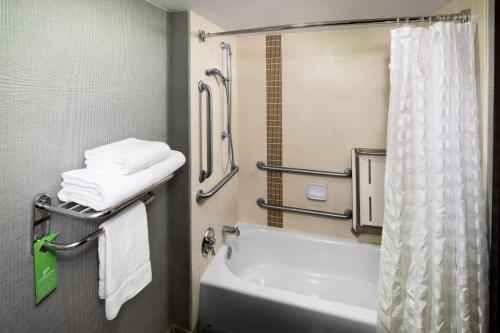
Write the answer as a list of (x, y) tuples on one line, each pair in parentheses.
[(251, 108), (335, 98), (335, 88), (223, 207)]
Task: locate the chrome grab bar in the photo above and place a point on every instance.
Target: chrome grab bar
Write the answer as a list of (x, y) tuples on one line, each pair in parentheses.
[(370, 151), (200, 196), (204, 174), (346, 215), (345, 174)]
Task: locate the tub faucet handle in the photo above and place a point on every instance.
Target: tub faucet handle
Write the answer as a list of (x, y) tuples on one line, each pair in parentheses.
[(208, 242)]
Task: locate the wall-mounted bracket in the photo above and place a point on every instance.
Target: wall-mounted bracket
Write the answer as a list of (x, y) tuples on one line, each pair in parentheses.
[(41, 218)]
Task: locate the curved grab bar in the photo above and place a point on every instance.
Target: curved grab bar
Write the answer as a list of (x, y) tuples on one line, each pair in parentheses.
[(200, 196), (347, 173), (346, 215), (204, 174)]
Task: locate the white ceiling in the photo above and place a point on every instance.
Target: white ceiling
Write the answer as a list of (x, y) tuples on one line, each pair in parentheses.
[(241, 14)]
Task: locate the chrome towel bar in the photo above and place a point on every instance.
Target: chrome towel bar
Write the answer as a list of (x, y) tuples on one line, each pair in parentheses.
[(200, 196), (346, 215), (43, 209), (345, 174)]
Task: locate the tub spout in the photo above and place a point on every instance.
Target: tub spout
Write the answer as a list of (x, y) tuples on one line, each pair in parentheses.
[(227, 230)]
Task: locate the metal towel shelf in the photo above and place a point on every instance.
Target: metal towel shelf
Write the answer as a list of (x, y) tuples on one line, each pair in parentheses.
[(345, 174), (43, 208), (346, 215)]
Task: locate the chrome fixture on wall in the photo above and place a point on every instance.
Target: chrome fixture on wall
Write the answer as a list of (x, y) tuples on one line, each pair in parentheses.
[(228, 133), (200, 196), (347, 214), (345, 174), (208, 242), (228, 230), (227, 82), (463, 16), (369, 225), (204, 174)]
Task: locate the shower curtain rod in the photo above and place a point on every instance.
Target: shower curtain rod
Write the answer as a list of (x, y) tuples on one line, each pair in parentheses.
[(463, 16)]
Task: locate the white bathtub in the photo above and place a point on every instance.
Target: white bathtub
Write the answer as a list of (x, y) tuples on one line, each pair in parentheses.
[(284, 281)]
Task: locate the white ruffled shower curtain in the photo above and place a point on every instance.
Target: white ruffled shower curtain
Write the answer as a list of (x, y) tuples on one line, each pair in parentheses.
[(434, 254)]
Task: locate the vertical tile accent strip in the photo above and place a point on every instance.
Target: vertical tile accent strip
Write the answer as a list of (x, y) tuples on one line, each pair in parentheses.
[(274, 128)]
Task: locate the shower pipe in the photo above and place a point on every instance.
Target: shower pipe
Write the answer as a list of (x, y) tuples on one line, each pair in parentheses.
[(463, 16), (227, 81), (204, 174)]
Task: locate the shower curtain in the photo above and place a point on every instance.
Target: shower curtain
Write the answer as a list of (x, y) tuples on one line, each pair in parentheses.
[(434, 253)]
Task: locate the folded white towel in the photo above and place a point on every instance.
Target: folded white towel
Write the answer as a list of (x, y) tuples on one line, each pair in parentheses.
[(161, 170), (124, 264), (126, 156), (101, 190)]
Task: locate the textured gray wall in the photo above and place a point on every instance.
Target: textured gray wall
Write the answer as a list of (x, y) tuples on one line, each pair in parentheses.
[(74, 75), (179, 248)]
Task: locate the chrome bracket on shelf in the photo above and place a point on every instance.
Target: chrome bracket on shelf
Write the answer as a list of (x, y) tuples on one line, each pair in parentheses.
[(41, 218)]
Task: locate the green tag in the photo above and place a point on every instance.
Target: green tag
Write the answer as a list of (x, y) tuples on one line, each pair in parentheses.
[(45, 268)]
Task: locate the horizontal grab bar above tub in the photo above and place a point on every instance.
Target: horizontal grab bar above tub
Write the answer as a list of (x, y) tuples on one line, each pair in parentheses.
[(200, 196), (346, 215), (370, 151), (345, 174)]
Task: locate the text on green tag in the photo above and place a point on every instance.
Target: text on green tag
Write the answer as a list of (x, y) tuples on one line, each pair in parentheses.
[(45, 268)]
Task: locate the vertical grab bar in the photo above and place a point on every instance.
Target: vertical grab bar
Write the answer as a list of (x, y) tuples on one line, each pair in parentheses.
[(204, 174)]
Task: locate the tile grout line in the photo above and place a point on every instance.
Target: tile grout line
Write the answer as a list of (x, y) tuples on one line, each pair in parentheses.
[(274, 127)]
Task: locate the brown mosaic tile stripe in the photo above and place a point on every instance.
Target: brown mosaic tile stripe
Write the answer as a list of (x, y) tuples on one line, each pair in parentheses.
[(274, 128)]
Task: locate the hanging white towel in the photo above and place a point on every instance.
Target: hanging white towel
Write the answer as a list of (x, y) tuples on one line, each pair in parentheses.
[(126, 156), (124, 264), (101, 190)]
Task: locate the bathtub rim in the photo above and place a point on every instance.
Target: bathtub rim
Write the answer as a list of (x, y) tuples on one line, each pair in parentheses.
[(219, 275)]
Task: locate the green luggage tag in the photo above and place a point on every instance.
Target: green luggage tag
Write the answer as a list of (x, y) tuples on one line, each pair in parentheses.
[(45, 268)]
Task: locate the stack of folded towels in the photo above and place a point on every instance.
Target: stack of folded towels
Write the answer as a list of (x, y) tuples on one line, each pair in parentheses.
[(117, 171), (114, 173)]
